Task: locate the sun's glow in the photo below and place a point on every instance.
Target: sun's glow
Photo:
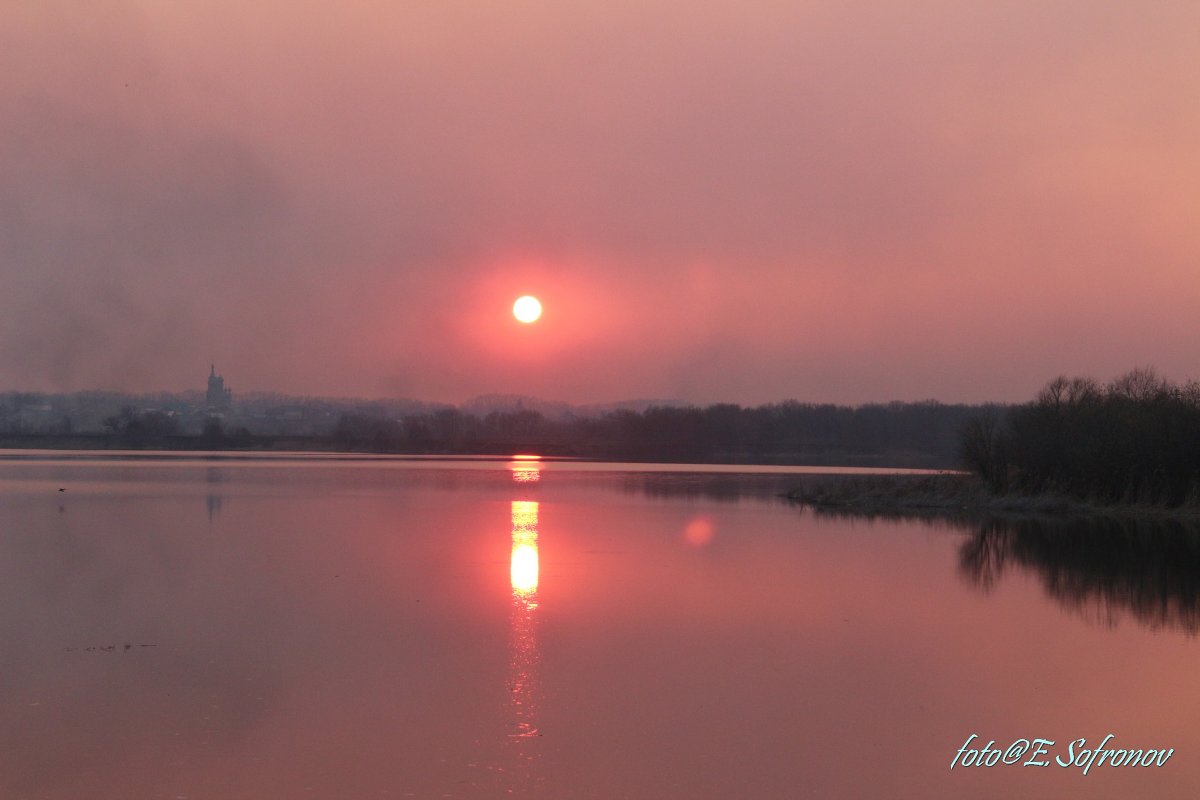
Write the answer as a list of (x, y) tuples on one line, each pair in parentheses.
[(527, 309)]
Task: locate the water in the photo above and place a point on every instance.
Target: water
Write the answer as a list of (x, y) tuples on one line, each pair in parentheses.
[(306, 627)]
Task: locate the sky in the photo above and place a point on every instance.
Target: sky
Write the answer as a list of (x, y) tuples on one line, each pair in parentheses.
[(826, 200)]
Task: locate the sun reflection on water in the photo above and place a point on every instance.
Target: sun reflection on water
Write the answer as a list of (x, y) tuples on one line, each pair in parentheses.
[(524, 655), (524, 469), (523, 569)]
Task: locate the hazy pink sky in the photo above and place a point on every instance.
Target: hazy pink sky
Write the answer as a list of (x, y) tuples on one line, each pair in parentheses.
[(751, 201)]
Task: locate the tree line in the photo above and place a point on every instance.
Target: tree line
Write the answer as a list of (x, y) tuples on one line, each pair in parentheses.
[(1134, 440), (896, 434), (922, 434)]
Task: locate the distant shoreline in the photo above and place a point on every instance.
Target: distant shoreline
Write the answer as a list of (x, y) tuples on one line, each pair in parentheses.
[(846, 489), (259, 443), (181, 442)]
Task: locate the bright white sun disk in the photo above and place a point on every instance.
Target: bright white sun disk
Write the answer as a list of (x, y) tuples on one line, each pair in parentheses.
[(527, 309)]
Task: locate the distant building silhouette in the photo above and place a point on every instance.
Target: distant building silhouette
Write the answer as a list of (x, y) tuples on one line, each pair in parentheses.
[(217, 396)]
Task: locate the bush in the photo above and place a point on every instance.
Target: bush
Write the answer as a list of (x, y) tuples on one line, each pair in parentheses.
[(1136, 440)]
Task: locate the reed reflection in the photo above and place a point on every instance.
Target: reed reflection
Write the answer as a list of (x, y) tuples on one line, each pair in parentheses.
[(1102, 569)]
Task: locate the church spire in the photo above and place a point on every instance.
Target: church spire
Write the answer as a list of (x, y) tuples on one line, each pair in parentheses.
[(217, 396)]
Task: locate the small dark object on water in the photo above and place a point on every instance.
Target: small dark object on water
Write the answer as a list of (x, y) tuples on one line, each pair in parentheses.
[(108, 648), (61, 489)]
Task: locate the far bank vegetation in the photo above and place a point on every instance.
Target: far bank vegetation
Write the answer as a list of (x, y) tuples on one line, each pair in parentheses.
[(1133, 441), (1079, 447)]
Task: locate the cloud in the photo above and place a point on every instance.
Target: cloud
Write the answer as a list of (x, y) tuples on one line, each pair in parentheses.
[(123, 221), (843, 201)]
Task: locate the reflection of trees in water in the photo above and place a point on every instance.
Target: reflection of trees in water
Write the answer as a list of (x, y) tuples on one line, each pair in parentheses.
[(214, 478), (1100, 568), (214, 502)]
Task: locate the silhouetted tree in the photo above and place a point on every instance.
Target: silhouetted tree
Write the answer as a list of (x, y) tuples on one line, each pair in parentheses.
[(1135, 440), (214, 432), (139, 429), (984, 449)]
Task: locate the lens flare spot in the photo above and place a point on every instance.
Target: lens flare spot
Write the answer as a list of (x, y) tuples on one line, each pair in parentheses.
[(699, 532)]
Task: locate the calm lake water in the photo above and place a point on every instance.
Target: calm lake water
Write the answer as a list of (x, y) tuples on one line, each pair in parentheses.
[(375, 628)]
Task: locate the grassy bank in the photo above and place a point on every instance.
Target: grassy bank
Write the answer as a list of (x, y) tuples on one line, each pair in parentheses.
[(955, 495)]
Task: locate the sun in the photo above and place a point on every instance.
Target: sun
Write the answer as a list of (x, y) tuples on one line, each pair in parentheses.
[(527, 309)]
